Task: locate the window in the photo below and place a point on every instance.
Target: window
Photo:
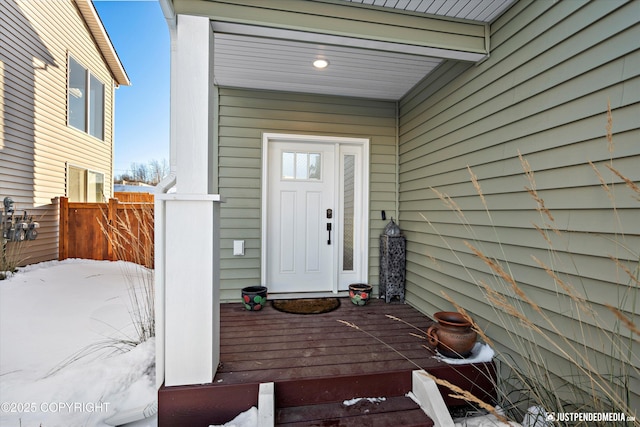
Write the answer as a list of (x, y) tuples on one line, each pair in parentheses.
[(77, 95), (85, 100), (349, 165), (96, 108), (84, 185), (301, 166)]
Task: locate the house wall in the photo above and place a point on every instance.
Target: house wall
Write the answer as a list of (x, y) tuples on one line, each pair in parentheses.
[(36, 143), (543, 93), (243, 118)]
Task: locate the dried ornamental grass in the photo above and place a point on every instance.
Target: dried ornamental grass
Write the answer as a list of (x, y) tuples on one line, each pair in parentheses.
[(132, 240), (595, 388), (526, 378)]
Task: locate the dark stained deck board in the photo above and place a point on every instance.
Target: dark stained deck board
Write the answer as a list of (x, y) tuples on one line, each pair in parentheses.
[(289, 361), (329, 361), (268, 375), (313, 391), (269, 345), (404, 419), (204, 405), (393, 411), (305, 348)]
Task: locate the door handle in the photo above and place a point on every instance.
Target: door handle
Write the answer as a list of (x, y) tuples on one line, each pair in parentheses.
[(329, 230)]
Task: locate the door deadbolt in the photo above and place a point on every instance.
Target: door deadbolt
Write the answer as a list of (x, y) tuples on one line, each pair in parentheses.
[(329, 213)]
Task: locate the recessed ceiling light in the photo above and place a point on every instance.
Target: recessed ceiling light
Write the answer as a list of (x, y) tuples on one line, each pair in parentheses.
[(321, 63)]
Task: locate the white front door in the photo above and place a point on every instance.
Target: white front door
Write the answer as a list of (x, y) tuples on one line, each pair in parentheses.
[(301, 191), (314, 216)]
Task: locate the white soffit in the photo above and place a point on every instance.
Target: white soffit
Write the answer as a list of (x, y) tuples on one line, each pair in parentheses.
[(275, 64)]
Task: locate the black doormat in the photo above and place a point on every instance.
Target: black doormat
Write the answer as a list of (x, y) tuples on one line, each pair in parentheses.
[(306, 305)]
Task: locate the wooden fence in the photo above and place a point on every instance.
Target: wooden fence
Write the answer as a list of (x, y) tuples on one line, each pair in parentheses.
[(130, 197), (111, 231)]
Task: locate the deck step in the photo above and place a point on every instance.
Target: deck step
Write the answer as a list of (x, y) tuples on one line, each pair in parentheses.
[(393, 411)]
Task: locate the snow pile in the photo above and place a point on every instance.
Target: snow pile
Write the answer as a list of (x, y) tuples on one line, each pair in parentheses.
[(245, 419), (479, 353), (537, 417), (355, 400), (486, 420), (50, 313)]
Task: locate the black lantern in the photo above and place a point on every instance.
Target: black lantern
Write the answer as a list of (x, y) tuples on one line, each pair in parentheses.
[(392, 262)]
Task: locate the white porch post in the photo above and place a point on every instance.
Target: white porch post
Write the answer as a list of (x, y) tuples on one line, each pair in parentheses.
[(189, 267)]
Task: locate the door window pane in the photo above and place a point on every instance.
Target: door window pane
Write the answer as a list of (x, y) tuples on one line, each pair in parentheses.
[(314, 166), (288, 165), (301, 166)]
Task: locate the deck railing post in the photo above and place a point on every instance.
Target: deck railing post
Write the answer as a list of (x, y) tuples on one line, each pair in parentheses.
[(190, 272)]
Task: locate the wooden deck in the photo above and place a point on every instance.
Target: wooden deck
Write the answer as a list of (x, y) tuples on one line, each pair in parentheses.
[(315, 360)]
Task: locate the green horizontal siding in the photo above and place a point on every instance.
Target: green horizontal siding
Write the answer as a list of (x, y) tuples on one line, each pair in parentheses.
[(244, 116), (543, 93)]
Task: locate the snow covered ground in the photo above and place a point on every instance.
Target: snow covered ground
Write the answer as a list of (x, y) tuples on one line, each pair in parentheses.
[(48, 313)]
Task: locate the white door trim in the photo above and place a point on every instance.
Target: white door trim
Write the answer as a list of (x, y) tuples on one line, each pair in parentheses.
[(299, 138)]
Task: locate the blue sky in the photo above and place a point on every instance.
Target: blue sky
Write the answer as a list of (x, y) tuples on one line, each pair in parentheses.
[(139, 33)]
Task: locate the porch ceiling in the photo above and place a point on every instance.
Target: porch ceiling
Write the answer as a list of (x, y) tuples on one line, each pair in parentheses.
[(376, 49), (266, 63)]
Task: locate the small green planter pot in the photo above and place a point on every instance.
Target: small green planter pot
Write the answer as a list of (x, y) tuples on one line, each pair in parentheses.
[(254, 297), (360, 293)]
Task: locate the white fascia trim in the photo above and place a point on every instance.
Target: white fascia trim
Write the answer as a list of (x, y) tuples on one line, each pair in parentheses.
[(182, 197), (276, 33), (103, 42)]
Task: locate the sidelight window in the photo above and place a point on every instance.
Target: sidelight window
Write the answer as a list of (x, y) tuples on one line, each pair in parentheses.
[(348, 212)]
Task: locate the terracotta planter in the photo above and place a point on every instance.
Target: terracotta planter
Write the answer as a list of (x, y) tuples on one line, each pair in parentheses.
[(254, 297), (452, 334), (360, 293)]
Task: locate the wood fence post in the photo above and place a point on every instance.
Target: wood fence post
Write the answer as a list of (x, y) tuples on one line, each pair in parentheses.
[(112, 218), (63, 228)]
